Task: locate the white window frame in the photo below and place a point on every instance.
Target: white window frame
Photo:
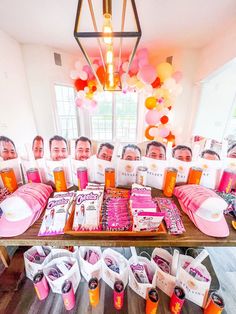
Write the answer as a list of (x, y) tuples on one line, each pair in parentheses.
[(57, 119), (114, 128)]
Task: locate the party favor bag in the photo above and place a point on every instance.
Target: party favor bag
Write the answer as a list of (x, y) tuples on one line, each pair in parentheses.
[(15, 164), (99, 169), (141, 288), (119, 270), (65, 164), (61, 269), (127, 172), (162, 277), (75, 164), (156, 172), (211, 172), (183, 169), (196, 288), (90, 259), (35, 259)]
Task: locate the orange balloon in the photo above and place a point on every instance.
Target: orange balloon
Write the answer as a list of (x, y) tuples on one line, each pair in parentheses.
[(147, 135), (101, 74), (171, 138), (150, 102)]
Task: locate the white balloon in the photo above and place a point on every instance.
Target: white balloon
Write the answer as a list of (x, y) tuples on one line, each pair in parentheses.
[(152, 131), (124, 77), (78, 65), (169, 83), (125, 66), (148, 89), (81, 94), (74, 74), (83, 75)]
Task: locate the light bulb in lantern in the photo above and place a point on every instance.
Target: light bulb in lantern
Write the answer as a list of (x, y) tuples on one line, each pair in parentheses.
[(111, 80), (110, 68), (107, 28), (109, 55)]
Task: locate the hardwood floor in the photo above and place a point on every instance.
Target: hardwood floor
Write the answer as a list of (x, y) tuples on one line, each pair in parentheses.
[(24, 301)]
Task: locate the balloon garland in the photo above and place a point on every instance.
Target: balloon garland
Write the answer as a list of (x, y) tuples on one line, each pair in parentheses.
[(161, 82)]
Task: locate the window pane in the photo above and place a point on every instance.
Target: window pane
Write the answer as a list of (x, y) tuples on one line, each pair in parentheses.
[(101, 120), (126, 116), (66, 111)]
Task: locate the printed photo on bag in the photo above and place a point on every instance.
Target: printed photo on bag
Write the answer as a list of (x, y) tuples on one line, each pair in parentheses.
[(155, 172)]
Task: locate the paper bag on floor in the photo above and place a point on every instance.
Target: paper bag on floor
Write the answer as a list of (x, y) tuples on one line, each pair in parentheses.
[(138, 287), (88, 269), (195, 290), (110, 276), (163, 280), (61, 269), (35, 259)]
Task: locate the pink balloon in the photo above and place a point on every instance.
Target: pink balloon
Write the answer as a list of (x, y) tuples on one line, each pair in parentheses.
[(142, 53), (134, 66), (142, 62), (152, 117), (87, 69), (93, 103), (147, 73), (178, 75), (79, 102), (164, 132), (96, 61)]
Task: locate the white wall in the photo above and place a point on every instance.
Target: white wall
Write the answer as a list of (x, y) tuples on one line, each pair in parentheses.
[(217, 53), (215, 106), (16, 116), (42, 74)]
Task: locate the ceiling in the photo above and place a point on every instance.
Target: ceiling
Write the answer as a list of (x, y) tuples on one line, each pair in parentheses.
[(164, 23)]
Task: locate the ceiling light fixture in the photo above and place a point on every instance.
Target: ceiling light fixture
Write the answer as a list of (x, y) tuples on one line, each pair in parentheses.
[(109, 29)]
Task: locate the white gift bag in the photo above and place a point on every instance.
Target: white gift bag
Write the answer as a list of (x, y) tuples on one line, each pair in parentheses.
[(127, 172), (156, 172), (110, 276), (140, 288), (29, 164), (41, 165), (88, 270), (72, 274), (211, 172), (31, 266), (195, 290), (75, 164), (15, 164), (164, 281), (230, 163), (99, 169), (183, 169), (65, 164)]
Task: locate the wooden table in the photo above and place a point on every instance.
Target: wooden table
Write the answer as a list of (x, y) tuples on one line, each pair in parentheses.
[(191, 238)]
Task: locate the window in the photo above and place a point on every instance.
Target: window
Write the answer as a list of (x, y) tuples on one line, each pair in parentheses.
[(216, 116), (66, 110), (115, 118)]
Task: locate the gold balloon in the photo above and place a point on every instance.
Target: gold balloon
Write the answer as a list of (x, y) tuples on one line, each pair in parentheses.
[(164, 71), (150, 102)]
